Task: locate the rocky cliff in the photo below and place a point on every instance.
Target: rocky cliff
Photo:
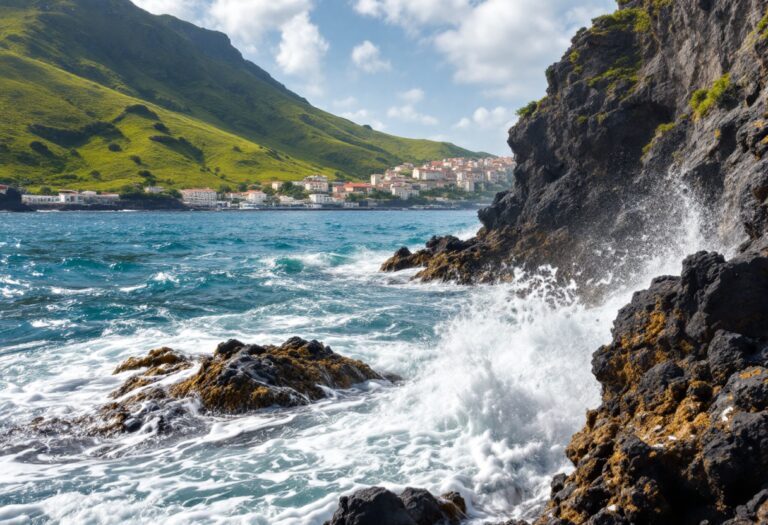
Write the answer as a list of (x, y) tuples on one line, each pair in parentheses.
[(681, 435), (663, 101), (660, 106)]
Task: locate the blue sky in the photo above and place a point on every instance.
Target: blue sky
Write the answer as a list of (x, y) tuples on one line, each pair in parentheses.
[(452, 70)]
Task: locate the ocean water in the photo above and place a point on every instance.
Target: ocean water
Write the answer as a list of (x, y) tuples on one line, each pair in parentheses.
[(496, 381)]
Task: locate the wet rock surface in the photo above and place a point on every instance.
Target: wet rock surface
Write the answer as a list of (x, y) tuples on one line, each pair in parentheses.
[(379, 506), (166, 392), (681, 435), (603, 157)]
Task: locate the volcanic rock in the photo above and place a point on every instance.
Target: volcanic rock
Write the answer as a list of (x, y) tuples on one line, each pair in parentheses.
[(681, 435), (378, 506), (236, 379), (610, 159)]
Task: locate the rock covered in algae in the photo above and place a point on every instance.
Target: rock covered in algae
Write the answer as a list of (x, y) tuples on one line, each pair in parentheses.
[(681, 435), (236, 379)]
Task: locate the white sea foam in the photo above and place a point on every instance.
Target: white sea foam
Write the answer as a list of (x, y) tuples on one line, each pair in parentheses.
[(490, 400)]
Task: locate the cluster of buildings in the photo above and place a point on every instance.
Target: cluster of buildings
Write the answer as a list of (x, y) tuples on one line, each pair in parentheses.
[(469, 175), (71, 197), (399, 183)]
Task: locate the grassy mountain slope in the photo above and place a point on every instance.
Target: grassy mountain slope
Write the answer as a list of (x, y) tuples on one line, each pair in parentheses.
[(89, 85)]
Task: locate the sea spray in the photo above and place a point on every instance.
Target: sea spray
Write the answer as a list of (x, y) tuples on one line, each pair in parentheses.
[(496, 377)]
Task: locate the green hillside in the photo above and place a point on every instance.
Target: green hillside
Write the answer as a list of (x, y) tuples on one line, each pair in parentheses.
[(101, 94)]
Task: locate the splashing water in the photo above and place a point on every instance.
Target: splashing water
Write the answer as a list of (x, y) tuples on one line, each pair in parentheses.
[(496, 380)]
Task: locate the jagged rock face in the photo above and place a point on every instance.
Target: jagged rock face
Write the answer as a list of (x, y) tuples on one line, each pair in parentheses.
[(240, 378), (681, 435), (592, 188), (378, 506)]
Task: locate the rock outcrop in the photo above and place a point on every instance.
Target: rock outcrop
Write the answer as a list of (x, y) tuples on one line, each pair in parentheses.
[(10, 200), (238, 378), (657, 103), (170, 390), (378, 506), (681, 435)]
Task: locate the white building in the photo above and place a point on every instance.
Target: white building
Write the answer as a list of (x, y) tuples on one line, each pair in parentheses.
[(315, 184), (276, 185), (320, 198), (91, 197), (199, 197), (427, 174), (285, 200), (404, 192), (377, 179), (40, 199), (154, 189), (467, 185), (3, 189), (255, 197), (70, 197)]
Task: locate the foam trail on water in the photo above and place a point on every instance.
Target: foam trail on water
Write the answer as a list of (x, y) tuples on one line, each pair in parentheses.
[(491, 395)]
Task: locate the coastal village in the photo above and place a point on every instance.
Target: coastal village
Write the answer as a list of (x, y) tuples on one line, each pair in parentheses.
[(436, 184)]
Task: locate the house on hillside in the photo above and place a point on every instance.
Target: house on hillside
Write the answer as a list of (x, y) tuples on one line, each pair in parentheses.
[(255, 196), (315, 184), (199, 197), (357, 187)]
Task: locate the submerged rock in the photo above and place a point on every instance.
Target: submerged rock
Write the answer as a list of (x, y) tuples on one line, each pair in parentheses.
[(439, 260), (165, 394), (379, 506), (681, 435)]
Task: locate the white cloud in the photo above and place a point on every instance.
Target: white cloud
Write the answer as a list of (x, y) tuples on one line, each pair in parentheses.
[(412, 96), (302, 47), (487, 118), (363, 117), (414, 13), (408, 113), (356, 116), (367, 57), (247, 21), (503, 45)]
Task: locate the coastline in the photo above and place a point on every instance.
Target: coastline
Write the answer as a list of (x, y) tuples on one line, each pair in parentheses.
[(475, 206)]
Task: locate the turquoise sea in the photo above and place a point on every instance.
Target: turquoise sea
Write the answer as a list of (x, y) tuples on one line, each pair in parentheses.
[(496, 381)]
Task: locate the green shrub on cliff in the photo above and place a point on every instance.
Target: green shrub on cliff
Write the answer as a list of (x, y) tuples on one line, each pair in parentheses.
[(634, 19), (661, 129), (762, 27), (703, 100), (528, 110)]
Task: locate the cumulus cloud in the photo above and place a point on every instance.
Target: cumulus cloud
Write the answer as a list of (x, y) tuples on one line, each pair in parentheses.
[(367, 57), (487, 118), (503, 45), (412, 96), (248, 20), (408, 113), (302, 47), (414, 13)]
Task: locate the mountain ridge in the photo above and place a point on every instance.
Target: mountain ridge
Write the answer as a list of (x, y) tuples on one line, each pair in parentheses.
[(178, 71)]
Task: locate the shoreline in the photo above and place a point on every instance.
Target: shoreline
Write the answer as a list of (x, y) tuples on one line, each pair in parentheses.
[(177, 210)]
